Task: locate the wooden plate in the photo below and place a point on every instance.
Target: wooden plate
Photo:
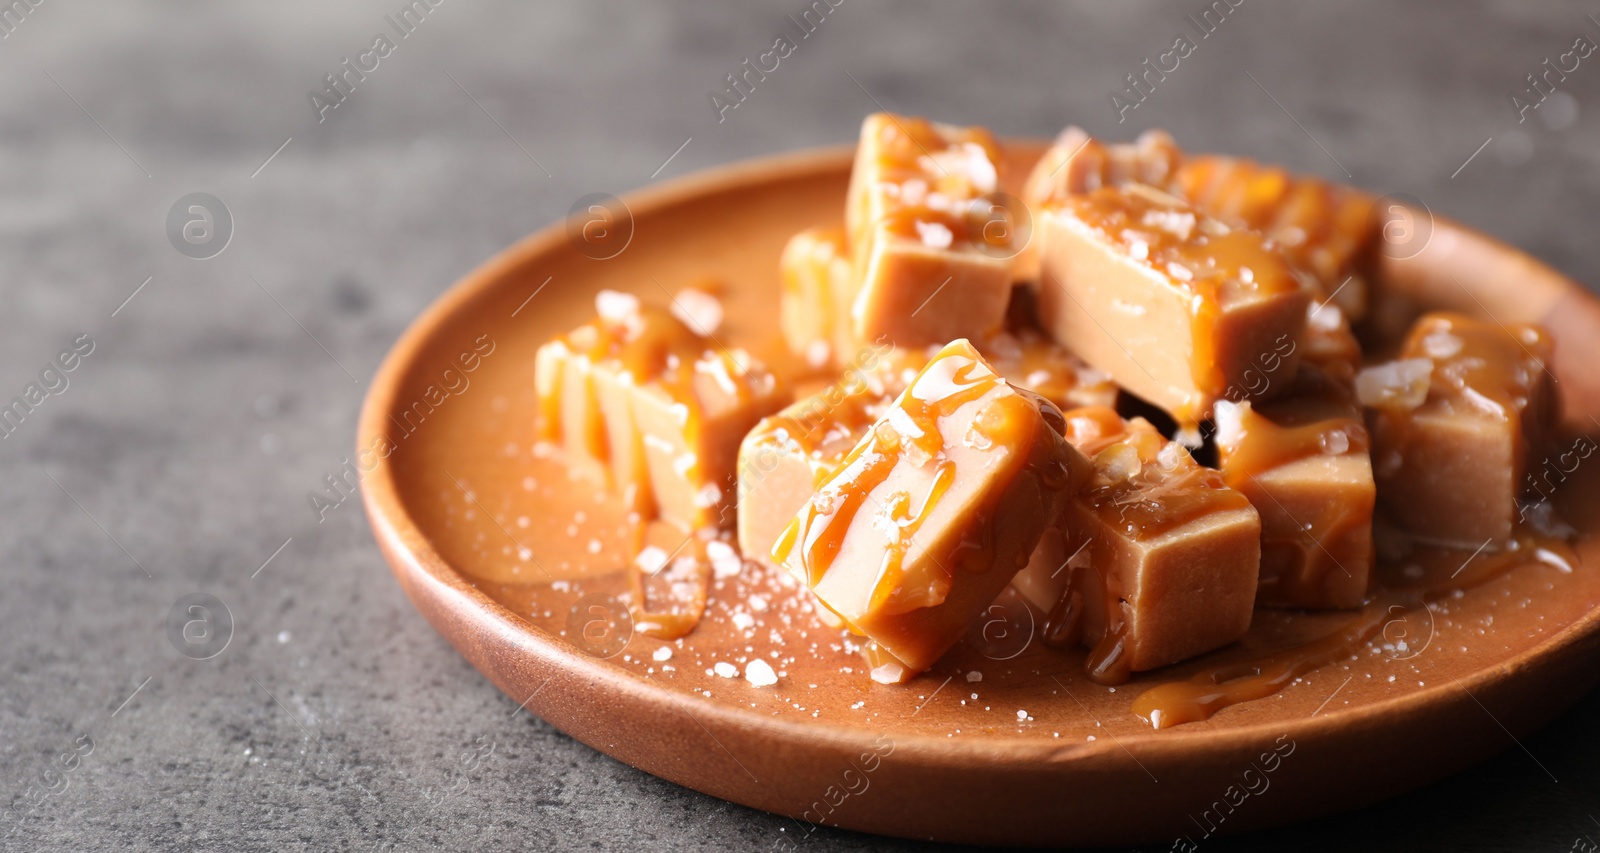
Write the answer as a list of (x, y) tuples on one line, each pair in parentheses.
[(517, 564)]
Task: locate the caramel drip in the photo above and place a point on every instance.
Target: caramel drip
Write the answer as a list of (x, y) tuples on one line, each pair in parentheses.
[(1107, 662), (1212, 265), (821, 526), (891, 576), (1325, 547), (1289, 436), (686, 581), (1064, 624), (1069, 622), (1214, 688), (548, 425)]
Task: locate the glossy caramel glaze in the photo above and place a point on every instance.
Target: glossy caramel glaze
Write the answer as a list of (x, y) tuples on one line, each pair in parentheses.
[(1303, 555), (827, 424), (667, 598), (1480, 367), (1323, 228), (949, 381), (1319, 417), (1146, 485)]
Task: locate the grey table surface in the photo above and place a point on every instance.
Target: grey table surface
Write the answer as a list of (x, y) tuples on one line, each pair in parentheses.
[(179, 456)]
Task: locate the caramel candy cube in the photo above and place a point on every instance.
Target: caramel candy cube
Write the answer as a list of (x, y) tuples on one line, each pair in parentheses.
[(1177, 307), (1325, 229), (1303, 461), (673, 404), (814, 305), (789, 455), (1454, 424), (934, 511), (587, 410), (932, 257), (1077, 163), (785, 458), (1161, 557)]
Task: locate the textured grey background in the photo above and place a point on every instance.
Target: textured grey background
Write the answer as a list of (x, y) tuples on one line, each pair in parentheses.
[(336, 717)]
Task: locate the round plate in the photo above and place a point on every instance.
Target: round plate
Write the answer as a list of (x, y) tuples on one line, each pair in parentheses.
[(517, 562)]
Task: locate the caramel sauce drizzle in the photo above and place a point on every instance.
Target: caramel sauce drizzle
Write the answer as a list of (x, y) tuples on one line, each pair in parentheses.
[(683, 586), (1477, 367), (1216, 687), (1066, 625), (949, 381), (1213, 265), (1155, 498)]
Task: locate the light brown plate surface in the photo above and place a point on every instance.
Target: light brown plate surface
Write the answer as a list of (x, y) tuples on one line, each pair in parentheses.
[(497, 547)]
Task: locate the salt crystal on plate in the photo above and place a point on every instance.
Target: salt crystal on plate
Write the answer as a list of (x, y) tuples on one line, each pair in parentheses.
[(759, 674), (725, 669)]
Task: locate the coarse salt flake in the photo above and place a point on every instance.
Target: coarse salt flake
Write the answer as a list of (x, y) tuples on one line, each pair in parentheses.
[(759, 674)]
